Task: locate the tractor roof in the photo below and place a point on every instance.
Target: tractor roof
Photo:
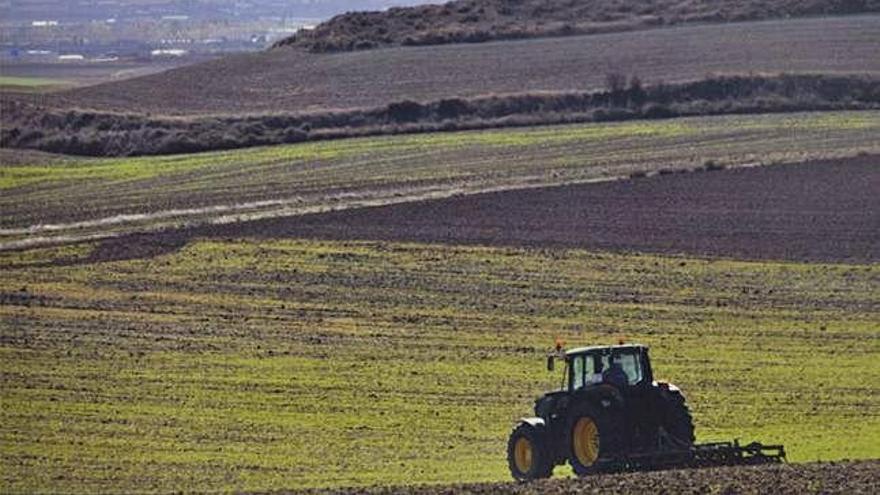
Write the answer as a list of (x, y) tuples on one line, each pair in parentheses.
[(582, 350)]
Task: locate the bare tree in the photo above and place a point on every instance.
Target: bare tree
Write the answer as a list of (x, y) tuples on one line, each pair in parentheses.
[(615, 82), (635, 83)]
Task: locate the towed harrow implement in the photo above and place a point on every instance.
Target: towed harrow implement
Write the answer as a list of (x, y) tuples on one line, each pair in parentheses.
[(700, 455)]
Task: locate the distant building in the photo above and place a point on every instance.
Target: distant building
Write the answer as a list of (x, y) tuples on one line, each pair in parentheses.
[(169, 52), (44, 23)]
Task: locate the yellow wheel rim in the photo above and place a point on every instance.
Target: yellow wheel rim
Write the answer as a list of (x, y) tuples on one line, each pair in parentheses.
[(586, 441), (522, 454)]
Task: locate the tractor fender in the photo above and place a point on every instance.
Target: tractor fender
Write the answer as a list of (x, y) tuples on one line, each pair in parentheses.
[(603, 396), (534, 422), (667, 387)]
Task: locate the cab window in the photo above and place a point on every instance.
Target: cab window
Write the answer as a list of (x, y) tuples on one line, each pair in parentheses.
[(577, 372), (583, 371), (631, 365)]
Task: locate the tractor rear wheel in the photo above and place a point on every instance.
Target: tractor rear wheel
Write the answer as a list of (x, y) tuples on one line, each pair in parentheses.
[(592, 436), (528, 454), (677, 426)]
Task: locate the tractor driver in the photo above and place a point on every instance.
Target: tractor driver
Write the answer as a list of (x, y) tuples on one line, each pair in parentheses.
[(614, 375)]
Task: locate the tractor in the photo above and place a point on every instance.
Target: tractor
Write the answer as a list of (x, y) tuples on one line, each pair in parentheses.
[(611, 415)]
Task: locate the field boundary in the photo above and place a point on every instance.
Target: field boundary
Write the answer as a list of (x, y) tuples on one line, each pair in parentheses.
[(89, 133)]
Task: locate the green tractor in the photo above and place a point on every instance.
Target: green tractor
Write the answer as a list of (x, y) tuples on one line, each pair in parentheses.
[(611, 415)]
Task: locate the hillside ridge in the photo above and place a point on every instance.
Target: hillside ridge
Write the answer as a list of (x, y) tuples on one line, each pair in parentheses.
[(92, 133), (474, 21)]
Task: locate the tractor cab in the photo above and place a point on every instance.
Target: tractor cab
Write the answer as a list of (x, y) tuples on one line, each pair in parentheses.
[(623, 366)]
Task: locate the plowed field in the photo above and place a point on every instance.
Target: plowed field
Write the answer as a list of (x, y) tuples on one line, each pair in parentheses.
[(191, 324), (292, 80), (826, 210), (47, 200), (232, 359), (847, 478)]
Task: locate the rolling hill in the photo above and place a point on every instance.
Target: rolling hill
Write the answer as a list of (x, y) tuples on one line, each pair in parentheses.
[(286, 96), (472, 21), (96, 198), (297, 81)]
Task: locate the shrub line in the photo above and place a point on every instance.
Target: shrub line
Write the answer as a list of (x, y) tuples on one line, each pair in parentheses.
[(90, 133)]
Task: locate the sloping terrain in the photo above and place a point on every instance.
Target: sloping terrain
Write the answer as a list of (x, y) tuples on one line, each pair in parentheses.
[(296, 81), (288, 96), (375, 312), (473, 21), (820, 211), (827, 210), (75, 199), (110, 134)]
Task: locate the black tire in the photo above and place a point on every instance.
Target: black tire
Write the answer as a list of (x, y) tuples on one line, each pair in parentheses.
[(534, 439), (594, 438), (676, 431)]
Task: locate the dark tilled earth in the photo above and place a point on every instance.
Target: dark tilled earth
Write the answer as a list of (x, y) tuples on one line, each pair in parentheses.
[(862, 477), (819, 211), (826, 210)]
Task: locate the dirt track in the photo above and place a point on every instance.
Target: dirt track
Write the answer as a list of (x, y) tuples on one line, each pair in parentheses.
[(861, 477), (824, 210)]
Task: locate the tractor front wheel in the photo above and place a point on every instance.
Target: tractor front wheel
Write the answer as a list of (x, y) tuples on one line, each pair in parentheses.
[(528, 454)]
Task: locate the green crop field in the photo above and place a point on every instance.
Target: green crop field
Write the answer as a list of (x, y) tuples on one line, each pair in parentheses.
[(259, 365), (100, 196), (31, 83)]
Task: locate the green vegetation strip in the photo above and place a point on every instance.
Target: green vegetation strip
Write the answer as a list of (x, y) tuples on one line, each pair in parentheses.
[(260, 365), (33, 82), (284, 180)]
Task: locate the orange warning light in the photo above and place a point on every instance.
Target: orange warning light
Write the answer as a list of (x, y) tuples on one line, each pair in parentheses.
[(559, 344)]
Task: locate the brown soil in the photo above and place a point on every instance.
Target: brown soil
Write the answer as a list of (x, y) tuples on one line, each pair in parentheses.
[(819, 211), (825, 210), (295, 81), (862, 477)]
